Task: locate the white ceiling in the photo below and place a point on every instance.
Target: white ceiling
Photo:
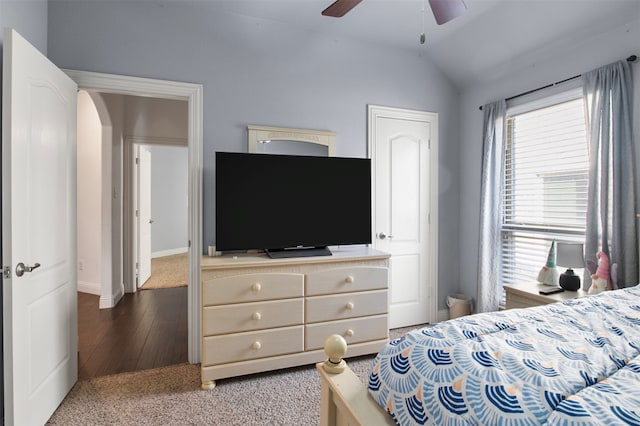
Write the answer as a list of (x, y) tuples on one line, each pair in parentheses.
[(490, 35)]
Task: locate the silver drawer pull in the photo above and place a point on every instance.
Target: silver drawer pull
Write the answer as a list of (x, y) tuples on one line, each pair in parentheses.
[(256, 287), (256, 345), (349, 279), (349, 306), (256, 316)]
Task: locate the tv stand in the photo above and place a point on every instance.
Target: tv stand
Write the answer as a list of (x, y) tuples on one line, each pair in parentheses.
[(298, 252)]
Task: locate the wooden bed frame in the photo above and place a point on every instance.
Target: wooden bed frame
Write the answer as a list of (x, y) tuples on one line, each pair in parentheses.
[(344, 400)]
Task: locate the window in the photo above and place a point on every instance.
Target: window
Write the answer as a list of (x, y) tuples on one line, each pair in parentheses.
[(545, 178)]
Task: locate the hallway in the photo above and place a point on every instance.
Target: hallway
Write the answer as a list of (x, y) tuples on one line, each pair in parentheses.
[(147, 329)]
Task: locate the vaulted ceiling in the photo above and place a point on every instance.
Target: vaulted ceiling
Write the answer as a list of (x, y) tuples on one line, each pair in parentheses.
[(491, 34)]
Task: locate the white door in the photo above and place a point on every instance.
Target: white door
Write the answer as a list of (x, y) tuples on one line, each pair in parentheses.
[(38, 233), (143, 191), (403, 148)]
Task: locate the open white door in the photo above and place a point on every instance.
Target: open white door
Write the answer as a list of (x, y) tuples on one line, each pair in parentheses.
[(404, 166), (38, 233), (143, 212)]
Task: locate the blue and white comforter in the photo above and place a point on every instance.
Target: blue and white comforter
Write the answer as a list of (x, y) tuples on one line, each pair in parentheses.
[(570, 363)]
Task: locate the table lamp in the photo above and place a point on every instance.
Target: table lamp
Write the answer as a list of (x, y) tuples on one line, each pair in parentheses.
[(570, 255)]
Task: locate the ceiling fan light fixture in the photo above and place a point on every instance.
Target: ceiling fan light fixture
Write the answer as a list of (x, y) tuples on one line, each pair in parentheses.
[(446, 10), (423, 38), (339, 8)]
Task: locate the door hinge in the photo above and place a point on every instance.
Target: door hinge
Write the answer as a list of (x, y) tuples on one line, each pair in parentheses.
[(137, 213), (6, 272), (137, 266), (137, 160)]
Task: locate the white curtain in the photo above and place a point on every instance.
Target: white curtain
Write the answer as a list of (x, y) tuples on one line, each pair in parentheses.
[(611, 226), (489, 292)]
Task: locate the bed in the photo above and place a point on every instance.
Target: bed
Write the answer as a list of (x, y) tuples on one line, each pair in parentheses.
[(570, 363)]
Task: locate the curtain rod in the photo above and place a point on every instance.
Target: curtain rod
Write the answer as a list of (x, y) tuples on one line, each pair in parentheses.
[(632, 58)]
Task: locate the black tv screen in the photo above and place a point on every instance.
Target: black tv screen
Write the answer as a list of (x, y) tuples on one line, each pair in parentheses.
[(283, 202)]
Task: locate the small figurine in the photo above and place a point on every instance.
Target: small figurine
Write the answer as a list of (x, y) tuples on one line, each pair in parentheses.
[(604, 277), (549, 273)]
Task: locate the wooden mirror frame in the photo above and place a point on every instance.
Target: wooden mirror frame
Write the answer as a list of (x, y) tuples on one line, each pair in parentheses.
[(261, 133)]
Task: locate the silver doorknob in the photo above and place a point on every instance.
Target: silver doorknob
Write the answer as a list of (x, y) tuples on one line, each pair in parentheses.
[(382, 236), (21, 268)]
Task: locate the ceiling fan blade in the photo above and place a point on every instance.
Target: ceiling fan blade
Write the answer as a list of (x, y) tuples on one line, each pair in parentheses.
[(446, 10), (340, 7)]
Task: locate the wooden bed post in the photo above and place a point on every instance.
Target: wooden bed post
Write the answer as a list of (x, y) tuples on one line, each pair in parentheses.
[(335, 347), (344, 400)]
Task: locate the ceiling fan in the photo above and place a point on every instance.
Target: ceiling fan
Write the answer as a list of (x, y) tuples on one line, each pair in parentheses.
[(443, 10)]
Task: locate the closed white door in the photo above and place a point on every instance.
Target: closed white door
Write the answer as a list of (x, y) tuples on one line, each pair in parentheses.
[(403, 148), (38, 233), (144, 214)]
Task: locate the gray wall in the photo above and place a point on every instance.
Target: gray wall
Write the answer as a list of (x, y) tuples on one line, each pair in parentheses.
[(29, 18), (169, 172), (261, 72), (559, 62)]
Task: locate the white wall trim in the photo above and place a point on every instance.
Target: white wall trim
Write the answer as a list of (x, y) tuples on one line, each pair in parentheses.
[(193, 94), (106, 221), (443, 315), (89, 287), (107, 302), (169, 252), (156, 140)]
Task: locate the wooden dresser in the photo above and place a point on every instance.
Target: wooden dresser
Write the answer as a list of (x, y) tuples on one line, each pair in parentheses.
[(262, 314)]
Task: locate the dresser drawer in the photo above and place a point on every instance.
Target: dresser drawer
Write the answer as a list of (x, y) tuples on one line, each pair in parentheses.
[(517, 301), (252, 345), (252, 316), (526, 299), (353, 330), (342, 280), (345, 305), (251, 288)]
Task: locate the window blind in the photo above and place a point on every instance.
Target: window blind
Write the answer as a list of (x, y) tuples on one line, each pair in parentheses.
[(544, 194)]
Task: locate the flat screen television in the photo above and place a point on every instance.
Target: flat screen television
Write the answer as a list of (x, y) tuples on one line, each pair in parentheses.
[(291, 205)]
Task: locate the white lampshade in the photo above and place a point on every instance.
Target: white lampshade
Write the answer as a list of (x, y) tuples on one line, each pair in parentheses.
[(570, 255)]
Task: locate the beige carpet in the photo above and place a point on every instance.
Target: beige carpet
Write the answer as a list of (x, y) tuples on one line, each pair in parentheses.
[(167, 272), (172, 396)]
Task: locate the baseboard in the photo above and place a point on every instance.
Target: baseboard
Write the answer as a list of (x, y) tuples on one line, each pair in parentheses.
[(170, 252), (443, 315), (91, 288), (110, 302)]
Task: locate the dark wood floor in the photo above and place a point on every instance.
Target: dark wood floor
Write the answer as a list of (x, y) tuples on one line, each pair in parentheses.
[(147, 329)]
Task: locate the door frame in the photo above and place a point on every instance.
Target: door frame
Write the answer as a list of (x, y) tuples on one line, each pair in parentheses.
[(138, 196), (193, 94), (373, 113), (129, 159)]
